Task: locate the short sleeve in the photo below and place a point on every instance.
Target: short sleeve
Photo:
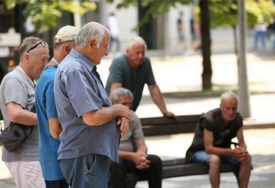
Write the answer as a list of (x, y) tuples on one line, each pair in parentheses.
[(15, 91), (82, 95), (150, 79), (50, 103), (115, 70), (239, 122), (204, 123), (137, 127)]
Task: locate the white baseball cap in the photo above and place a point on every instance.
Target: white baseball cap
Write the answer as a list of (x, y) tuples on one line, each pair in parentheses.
[(66, 33)]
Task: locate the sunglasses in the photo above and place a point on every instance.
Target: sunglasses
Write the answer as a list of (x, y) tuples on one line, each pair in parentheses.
[(44, 44)]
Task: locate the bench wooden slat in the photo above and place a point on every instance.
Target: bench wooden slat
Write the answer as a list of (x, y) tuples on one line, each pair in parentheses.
[(184, 170), (165, 120), (193, 169), (168, 129), (172, 162)]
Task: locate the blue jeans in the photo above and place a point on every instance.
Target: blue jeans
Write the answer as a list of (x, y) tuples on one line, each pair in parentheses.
[(203, 157), (88, 171), (259, 34), (116, 40)]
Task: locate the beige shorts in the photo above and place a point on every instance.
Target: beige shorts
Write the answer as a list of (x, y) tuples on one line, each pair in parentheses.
[(26, 174)]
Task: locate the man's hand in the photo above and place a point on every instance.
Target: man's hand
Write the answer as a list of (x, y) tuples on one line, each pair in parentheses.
[(240, 153), (124, 125), (169, 115), (123, 112), (140, 160)]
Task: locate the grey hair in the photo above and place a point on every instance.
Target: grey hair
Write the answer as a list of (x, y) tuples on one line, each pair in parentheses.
[(118, 93), (136, 39), (91, 30), (228, 96), (27, 43)]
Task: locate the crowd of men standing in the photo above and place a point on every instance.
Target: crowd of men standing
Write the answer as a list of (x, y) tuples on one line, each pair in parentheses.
[(82, 132)]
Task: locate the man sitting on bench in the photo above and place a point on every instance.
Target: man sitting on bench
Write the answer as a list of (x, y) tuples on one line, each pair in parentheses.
[(130, 161), (211, 143)]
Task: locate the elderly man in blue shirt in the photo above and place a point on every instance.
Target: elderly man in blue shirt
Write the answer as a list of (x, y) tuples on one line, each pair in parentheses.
[(89, 121)]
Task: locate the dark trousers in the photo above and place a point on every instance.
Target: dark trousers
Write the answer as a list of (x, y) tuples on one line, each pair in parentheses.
[(56, 184), (118, 172)]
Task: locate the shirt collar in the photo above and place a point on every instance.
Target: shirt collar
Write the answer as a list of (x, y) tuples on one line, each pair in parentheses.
[(82, 59), (32, 82)]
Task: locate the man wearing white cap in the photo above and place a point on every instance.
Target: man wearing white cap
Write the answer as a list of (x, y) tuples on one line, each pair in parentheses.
[(48, 124)]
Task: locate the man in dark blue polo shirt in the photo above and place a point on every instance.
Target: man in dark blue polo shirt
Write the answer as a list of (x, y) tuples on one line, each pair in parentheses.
[(90, 133)]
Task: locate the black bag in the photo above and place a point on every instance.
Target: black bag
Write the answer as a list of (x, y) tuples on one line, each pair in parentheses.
[(14, 135)]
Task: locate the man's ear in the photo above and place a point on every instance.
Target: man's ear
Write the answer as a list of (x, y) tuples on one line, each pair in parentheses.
[(27, 56), (67, 49), (92, 42)]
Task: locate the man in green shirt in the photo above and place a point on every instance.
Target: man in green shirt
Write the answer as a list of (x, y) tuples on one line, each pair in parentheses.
[(132, 71)]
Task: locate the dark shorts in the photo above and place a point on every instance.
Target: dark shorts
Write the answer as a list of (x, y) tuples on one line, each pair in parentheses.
[(203, 157)]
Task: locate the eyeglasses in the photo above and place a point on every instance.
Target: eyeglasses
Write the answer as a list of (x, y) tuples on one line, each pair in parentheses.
[(44, 44)]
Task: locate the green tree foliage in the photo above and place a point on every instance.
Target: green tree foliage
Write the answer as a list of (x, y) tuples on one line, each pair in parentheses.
[(225, 13), (46, 12), (156, 7)]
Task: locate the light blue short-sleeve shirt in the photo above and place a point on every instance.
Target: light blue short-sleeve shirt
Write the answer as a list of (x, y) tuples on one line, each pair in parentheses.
[(78, 89)]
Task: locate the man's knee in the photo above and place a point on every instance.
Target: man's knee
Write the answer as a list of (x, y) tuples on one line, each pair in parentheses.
[(215, 161), (248, 160), (154, 159), (116, 167)]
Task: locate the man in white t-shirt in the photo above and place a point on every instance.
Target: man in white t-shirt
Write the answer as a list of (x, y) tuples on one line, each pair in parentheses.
[(259, 32), (114, 31)]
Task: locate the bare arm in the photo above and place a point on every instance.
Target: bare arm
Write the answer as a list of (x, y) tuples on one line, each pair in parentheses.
[(114, 86), (139, 156), (158, 100), (99, 117), (242, 146), (19, 115), (240, 138), (141, 146), (211, 149), (55, 127)]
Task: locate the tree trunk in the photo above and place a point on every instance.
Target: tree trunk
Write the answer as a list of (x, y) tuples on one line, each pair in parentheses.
[(206, 45)]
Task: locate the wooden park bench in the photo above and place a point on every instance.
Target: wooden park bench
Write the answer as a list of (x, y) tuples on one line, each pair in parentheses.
[(176, 167)]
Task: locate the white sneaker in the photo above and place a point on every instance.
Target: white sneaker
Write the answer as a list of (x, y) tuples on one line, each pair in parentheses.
[(189, 52)]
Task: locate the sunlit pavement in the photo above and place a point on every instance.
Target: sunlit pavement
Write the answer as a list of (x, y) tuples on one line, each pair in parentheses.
[(260, 144)]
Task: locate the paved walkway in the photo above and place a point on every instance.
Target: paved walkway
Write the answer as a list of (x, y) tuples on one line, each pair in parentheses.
[(183, 74)]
